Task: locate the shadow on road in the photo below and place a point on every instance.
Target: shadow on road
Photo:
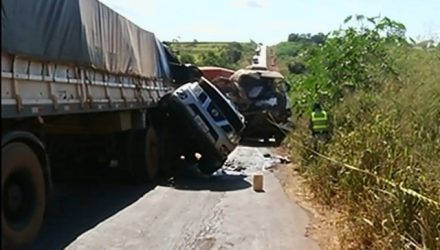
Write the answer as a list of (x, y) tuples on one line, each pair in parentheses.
[(215, 183), (75, 208), (259, 144), (80, 203)]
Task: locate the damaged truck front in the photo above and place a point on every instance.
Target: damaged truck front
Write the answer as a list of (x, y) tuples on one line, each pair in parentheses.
[(261, 96), (84, 89), (212, 125), (199, 120)]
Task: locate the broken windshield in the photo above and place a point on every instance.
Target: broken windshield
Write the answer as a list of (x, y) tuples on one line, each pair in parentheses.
[(263, 87)]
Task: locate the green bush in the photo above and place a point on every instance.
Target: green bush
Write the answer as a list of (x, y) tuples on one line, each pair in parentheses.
[(231, 55), (384, 97)]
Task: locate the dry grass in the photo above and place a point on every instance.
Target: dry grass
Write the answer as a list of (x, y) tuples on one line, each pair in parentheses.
[(395, 134)]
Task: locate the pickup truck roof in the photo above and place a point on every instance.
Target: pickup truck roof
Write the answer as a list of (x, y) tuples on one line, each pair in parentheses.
[(256, 67), (256, 73)]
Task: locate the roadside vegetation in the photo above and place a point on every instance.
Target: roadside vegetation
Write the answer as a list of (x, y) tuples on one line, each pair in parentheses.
[(383, 93)]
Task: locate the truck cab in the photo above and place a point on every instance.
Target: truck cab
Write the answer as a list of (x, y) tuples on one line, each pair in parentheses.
[(207, 122)]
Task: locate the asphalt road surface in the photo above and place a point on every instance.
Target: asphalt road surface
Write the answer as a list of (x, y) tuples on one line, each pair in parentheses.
[(221, 213)]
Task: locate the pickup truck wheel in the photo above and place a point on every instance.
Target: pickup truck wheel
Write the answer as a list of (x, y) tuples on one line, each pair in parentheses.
[(23, 196), (169, 153), (144, 152)]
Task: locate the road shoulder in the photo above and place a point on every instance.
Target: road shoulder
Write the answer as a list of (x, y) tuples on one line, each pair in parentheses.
[(325, 225)]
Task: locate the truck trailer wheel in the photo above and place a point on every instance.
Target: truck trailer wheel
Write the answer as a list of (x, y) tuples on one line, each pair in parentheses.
[(152, 154), (23, 196)]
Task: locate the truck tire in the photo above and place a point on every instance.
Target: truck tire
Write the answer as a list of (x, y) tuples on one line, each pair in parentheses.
[(152, 154), (144, 151), (23, 196), (169, 153)]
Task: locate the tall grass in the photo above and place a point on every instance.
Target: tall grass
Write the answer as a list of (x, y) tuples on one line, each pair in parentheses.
[(393, 131)]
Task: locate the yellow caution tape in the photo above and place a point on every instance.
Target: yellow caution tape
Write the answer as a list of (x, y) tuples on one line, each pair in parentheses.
[(407, 191)]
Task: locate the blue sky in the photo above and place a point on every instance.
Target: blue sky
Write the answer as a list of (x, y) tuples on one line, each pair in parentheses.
[(269, 21)]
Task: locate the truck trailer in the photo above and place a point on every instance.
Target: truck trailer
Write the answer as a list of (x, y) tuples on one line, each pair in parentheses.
[(82, 83)]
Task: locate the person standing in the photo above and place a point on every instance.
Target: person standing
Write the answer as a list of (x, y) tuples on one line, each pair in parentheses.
[(319, 123)]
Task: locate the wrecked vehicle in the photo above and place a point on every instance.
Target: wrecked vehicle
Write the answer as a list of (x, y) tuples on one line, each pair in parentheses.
[(266, 105), (214, 74), (205, 122), (261, 96), (220, 78)]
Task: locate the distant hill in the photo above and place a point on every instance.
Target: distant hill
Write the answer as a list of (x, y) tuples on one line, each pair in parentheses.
[(232, 55)]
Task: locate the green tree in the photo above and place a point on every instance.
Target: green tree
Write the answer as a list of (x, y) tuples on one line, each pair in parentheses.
[(293, 37), (235, 52), (186, 57), (355, 56), (318, 38), (211, 58), (296, 67)]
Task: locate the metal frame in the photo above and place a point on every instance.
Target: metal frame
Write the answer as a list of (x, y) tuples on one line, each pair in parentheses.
[(34, 88)]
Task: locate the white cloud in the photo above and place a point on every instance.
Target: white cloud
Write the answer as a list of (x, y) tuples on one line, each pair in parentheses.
[(250, 3)]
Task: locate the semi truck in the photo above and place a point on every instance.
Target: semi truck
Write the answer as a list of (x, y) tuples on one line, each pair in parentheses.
[(81, 83)]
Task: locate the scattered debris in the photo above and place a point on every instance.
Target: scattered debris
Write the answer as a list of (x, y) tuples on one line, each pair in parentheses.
[(237, 168), (284, 160), (271, 167), (233, 165)]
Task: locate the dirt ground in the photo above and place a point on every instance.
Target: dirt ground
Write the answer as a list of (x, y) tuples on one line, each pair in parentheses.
[(325, 226)]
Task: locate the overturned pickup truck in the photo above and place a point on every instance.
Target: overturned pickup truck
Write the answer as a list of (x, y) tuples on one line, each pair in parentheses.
[(212, 123), (261, 96), (199, 120)]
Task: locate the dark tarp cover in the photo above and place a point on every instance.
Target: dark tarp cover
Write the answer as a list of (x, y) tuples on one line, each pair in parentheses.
[(80, 32)]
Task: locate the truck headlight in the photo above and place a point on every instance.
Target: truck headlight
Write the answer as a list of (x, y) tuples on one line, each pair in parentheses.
[(197, 90), (233, 137), (182, 95), (214, 113)]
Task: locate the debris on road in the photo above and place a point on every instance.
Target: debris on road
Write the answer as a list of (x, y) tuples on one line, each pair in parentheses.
[(233, 165), (282, 159), (271, 167), (254, 160)]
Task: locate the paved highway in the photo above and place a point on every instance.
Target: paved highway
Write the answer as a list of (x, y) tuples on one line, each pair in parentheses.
[(221, 213)]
